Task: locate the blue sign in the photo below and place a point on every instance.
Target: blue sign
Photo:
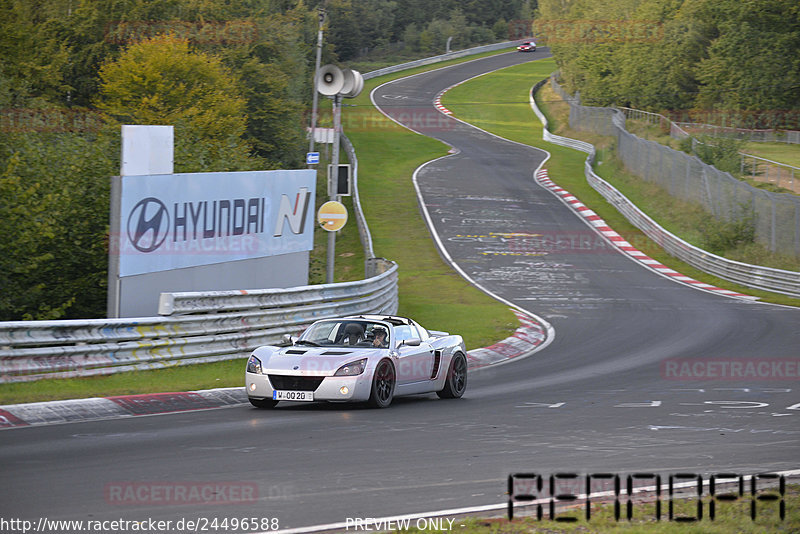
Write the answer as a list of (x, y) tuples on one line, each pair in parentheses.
[(312, 158)]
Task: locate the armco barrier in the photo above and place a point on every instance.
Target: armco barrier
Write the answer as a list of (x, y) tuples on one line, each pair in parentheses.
[(754, 276), (361, 221), (199, 328), (444, 57), (774, 217)]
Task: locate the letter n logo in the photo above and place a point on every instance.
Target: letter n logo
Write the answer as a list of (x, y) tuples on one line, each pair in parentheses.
[(295, 214)]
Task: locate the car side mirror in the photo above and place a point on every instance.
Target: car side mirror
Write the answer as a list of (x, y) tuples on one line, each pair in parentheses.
[(413, 342), (289, 339)]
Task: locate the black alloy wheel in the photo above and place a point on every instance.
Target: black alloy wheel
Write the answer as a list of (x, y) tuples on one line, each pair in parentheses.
[(456, 382), (383, 382)]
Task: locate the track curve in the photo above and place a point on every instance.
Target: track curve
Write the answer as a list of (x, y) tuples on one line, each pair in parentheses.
[(597, 399)]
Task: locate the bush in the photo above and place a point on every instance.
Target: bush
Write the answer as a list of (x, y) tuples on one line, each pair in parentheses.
[(719, 237), (721, 152), (53, 255)]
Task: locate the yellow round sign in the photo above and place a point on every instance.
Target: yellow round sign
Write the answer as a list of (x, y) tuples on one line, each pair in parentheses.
[(332, 215)]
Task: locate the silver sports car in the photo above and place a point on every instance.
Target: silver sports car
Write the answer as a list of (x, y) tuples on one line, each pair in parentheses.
[(371, 358)]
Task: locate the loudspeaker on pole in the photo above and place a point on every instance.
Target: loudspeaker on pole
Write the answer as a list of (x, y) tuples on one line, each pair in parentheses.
[(358, 85), (330, 80)]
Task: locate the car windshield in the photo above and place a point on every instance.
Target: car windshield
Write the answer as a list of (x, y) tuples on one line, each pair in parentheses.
[(347, 333)]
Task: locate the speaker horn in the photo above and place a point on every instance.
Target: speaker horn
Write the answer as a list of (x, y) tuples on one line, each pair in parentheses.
[(330, 80), (349, 82), (358, 85)]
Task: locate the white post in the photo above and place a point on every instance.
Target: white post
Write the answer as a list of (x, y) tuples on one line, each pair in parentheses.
[(315, 102), (333, 180)]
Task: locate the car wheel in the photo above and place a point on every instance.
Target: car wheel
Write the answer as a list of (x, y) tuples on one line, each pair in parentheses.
[(456, 382), (262, 403), (383, 381)]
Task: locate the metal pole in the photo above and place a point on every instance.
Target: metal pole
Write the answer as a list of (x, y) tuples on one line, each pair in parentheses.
[(332, 181), (774, 232), (315, 104)]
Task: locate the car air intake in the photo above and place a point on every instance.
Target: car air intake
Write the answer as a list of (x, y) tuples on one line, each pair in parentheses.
[(295, 383), (437, 360)]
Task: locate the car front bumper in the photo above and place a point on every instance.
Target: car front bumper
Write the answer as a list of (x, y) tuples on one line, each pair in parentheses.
[(332, 388)]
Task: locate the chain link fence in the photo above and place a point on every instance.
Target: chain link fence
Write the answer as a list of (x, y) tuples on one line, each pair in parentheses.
[(791, 137), (776, 216), (755, 167), (771, 172)]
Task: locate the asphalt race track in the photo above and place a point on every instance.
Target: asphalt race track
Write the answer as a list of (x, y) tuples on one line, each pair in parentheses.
[(601, 397)]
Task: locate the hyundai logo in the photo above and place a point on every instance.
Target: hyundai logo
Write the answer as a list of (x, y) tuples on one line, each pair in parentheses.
[(148, 224)]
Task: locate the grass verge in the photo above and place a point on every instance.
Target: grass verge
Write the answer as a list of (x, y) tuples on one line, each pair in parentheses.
[(780, 152), (729, 517), (430, 291), (349, 260), (498, 103)]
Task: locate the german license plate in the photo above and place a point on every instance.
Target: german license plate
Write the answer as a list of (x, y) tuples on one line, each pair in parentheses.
[(293, 395)]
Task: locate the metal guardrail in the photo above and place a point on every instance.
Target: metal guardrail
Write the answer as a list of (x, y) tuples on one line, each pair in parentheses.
[(773, 217), (199, 328), (444, 57), (754, 276), (361, 221)]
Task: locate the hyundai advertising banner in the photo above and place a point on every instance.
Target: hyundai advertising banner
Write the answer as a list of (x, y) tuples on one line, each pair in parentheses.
[(174, 221)]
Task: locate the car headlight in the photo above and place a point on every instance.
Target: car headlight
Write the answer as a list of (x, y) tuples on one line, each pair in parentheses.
[(352, 368), (254, 365)]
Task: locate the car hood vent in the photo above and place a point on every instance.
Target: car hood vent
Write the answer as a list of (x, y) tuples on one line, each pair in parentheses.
[(295, 351), (336, 353)]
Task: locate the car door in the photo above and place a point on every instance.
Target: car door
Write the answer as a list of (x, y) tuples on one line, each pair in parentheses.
[(415, 363)]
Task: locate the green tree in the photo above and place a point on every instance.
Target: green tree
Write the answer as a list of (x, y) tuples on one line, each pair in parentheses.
[(54, 188), (500, 29), (33, 56), (753, 64), (56, 157), (163, 81), (275, 75), (736, 56)]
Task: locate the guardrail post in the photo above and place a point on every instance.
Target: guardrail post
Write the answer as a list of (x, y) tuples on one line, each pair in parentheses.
[(774, 229), (797, 228)]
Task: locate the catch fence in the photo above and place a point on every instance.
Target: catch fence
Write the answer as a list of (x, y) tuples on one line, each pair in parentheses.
[(775, 216), (755, 276)]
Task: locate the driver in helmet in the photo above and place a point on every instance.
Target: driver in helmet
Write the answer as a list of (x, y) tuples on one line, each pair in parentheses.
[(380, 339)]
